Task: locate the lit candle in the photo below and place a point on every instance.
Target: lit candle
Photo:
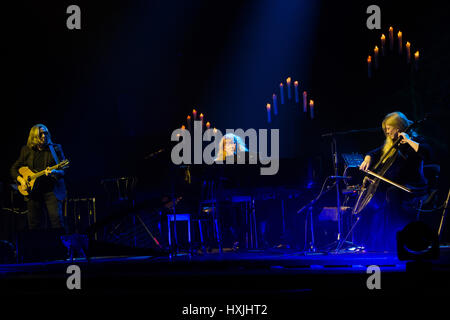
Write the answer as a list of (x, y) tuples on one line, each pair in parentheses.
[(208, 125), (274, 101), (201, 119), (189, 122), (182, 128), (408, 52), (288, 82), (400, 46), (194, 114), (305, 103), (375, 54), (296, 91), (369, 66), (391, 38), (281, 93), (416, 60), (268, 112), (311, 108), (383, 42)]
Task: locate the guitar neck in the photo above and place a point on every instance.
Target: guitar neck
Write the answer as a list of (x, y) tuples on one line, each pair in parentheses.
[(41, 173)]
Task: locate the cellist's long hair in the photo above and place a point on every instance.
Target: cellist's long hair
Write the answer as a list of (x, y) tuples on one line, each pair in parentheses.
[(397, 120), (33, 137)]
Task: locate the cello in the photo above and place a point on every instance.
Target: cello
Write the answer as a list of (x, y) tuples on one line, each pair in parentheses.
[(373, 177)]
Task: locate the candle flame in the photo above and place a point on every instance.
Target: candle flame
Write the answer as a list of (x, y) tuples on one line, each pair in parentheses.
[(311, 102), (376, 49), (189, 117), (208, 124), (201, 115), (369, 59), (416, 55), (296, 83), (183, 127), (304, 93), (399, 34), (408, 44), (288, 80), (281, 84), (383, 37), (391, 29), (268, 106), (194, 111)]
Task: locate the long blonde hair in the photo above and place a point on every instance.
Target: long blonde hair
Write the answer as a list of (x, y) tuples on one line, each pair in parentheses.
[(34, 136), (240, 145), (399, 121)]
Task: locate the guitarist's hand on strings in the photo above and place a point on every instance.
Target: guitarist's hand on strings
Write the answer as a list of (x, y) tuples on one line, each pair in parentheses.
[(53, 173)]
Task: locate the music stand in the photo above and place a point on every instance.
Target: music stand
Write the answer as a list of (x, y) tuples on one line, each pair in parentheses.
[(340, 241)]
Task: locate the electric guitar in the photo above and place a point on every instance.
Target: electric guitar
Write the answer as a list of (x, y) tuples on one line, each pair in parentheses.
[(30, 177)]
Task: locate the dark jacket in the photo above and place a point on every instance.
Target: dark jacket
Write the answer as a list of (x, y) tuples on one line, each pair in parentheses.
[(407, 169), (26, 159)]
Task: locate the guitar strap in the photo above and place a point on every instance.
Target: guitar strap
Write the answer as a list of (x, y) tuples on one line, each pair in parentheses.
[(52, 150)]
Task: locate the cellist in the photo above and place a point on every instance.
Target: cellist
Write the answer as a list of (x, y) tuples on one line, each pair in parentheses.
[(406, 168)]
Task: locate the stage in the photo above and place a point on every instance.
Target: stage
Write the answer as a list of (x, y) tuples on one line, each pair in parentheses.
[(274, 273)]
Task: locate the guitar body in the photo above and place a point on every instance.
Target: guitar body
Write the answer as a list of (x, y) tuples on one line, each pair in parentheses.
[(26, 173), (30, 177)]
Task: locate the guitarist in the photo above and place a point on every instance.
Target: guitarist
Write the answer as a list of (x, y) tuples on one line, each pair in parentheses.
[(49, 190), (406, 169)]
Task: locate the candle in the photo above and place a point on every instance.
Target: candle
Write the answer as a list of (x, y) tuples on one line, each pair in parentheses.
[(408, 52), (391, 38), (369, 66), (274, 101), (296, 91), (268, 112), (305, 106), (208, 125), (188, 122), (311, 108), (183, 127), (281, 93), (201, 119), (416, 60), (375, 54), (383, 42), (288, 82), (194, 114), (400, 46)]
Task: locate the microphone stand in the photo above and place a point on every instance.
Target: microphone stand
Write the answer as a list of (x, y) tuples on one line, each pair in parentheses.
[(338, 190), (312, 247), (340, 242)]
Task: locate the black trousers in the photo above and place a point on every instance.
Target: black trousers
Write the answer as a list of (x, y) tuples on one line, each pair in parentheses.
[(36, 204)]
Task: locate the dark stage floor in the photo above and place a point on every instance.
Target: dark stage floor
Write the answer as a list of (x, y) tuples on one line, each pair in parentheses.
[(270, 273)]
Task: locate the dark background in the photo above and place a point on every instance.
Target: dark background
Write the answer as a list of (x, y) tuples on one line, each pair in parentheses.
[(113, 92)]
